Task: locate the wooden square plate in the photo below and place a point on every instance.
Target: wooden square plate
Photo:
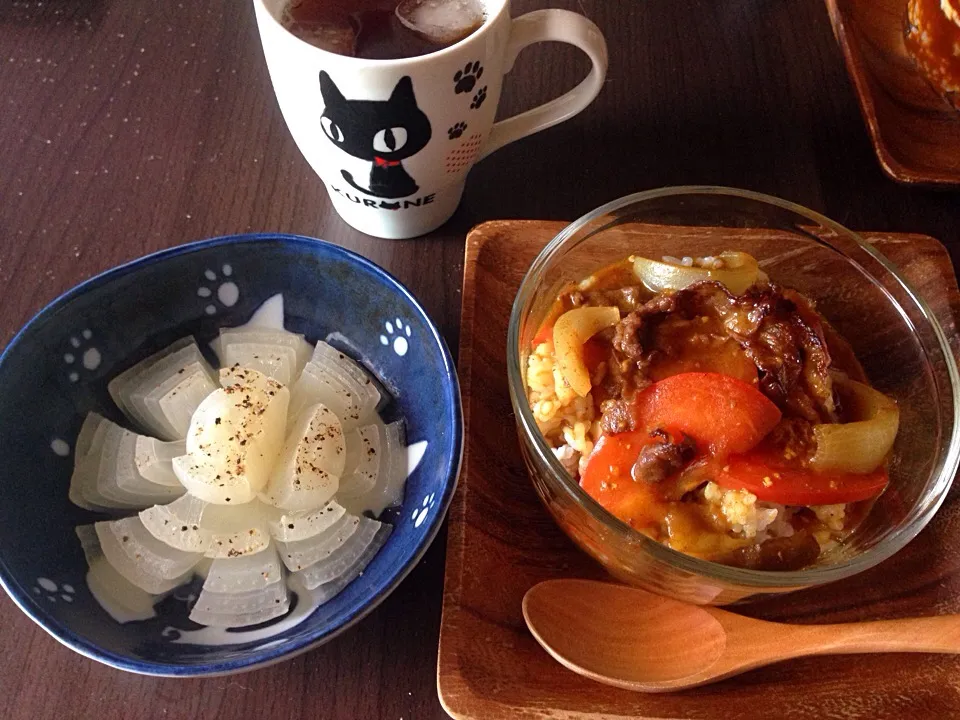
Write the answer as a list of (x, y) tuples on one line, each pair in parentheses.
[(502, 542), (915, 132)]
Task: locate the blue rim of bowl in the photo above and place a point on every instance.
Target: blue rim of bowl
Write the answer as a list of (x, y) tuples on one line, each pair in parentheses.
[(278, 654), (760, 580)]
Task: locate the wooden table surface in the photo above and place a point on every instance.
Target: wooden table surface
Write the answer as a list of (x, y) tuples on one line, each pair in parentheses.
[(127, 126)]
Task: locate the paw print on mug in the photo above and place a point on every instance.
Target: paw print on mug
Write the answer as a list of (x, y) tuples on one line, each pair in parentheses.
[(457, 130), (465, 80), (479, 98)]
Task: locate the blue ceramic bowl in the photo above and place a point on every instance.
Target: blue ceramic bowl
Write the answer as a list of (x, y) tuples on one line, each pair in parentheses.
[(57, 368)]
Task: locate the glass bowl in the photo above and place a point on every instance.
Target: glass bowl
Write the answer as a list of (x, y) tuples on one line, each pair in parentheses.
[(892, 330)]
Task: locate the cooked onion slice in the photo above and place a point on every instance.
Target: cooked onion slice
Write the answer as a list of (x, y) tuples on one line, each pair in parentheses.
[(739, 271), (236, 531), (106, 475), (218, 531), (301, 554), (83, 481), (146, 562), (351, 558), (278, 354), (153, 458), (863, 445), (307, 473), (244, 574), (178, 524), (239, 609), (162, 392), (174, 400), (289, 527), (384, 460), (119, 479), (235, 436), (123, 600), (570, 332), (334, 380), (121, 386)]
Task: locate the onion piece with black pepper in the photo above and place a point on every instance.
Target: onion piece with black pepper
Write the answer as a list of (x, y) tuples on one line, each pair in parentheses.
[(307, 473), (334, 380), (235, 437), (162, 392), (278, 354), (123, 600), (143, 560)]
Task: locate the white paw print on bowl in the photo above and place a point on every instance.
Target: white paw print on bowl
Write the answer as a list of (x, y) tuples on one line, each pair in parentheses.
[(420, 513), (395, 336), (81, 355), (227, 291), (46, 586)]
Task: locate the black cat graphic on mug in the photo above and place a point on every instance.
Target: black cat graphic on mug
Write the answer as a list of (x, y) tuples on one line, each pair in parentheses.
[(385, 132)]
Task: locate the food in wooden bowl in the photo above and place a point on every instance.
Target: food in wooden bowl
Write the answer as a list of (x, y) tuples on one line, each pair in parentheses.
[(747, 329), (932, 39), (711, 409)]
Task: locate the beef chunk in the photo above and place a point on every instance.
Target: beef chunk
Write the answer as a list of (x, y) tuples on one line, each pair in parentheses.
[(617, 417), (783, 553), (627, 338), (661, 460)]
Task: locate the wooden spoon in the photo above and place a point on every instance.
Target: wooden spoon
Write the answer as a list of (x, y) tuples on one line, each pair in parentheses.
[(636, 640)]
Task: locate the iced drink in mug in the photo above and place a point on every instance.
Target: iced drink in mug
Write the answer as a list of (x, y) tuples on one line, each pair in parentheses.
[(393, 104)]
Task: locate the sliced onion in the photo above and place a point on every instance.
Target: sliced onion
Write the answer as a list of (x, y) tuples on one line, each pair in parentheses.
[(119, 480), (863, 445), (289, 527), (236, 531), (146, 562), (334, 380), (88, 431), (83, 481), (218, 531), (278, 354), (244, 574), (174, 381), (174, 401), (178, 524), (302, 554), (390, 471), (123, 600), (570, 332), (106, 475), (240, 609), (351, 558), (307, 473), (234, 439), (364, 449), (121, 386), (153, 459), (738, 273)]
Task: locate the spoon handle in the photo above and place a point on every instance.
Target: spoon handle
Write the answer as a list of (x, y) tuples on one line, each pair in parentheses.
[(939, 634)]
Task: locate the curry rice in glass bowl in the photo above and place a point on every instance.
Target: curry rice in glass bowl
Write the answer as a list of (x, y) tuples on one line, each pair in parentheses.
[(892, 331)]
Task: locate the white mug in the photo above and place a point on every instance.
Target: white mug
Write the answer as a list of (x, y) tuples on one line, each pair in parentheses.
[(393, 140)]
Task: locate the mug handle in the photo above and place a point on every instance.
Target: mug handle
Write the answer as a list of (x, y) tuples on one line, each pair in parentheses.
[(558, 26)]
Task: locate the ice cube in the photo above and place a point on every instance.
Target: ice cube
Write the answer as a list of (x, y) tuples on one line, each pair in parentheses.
[(332, 32), (441, 21)]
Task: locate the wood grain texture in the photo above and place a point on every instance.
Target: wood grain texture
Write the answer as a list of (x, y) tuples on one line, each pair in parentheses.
[(128, 126), (632, 639), (916, 133), (502, 542)]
